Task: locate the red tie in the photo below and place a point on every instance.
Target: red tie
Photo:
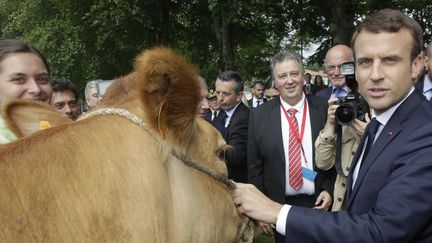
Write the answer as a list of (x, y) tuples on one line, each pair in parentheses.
[(295, 170)]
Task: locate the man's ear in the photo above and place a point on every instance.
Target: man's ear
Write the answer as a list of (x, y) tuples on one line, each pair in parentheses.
[(416, 66), (240, 96)]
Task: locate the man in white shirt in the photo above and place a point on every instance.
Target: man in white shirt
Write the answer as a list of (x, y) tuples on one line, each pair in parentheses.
[(280, 141), (390, 188)]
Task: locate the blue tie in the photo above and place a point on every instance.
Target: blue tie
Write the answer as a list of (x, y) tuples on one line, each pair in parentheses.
[(337, 92), (371, 130)]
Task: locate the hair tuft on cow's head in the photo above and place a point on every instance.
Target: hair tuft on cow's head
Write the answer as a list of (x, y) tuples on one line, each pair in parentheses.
[(170, 93)]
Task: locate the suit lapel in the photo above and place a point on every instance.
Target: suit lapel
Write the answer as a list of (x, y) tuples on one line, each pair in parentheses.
[(353, 165), (227, 130), (316, 119), (236, 111), (276, 126), (388, 133)]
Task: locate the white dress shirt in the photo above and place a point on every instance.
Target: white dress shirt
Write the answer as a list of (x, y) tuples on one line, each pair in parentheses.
[(254, 102), (308, 187), (229, 114), (427, 87)]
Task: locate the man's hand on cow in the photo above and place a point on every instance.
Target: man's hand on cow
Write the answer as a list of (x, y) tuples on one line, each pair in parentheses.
[(323, 201), (253, 203)]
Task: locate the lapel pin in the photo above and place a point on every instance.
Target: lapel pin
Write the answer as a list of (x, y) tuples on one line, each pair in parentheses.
[(389, 133)]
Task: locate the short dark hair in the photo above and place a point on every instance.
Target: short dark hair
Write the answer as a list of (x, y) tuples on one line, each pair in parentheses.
[(258, 82), (62, 85), (390, 20), (232, 76), (12, 46)]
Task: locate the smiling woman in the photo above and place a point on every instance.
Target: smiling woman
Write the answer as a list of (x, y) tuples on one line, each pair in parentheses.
[(24, 74)]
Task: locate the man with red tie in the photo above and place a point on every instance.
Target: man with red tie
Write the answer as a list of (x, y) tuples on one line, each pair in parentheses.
[(280, 142)]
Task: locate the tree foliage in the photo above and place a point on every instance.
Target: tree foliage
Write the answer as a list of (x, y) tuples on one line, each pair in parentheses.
[(88, 39)]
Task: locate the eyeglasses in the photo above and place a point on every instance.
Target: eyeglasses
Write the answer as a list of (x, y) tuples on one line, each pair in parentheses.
[(332, 68)]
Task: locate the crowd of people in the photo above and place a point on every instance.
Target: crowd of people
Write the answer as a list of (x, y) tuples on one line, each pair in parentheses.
[(373, 172), (299, 155), (382, 191), (25, 74)]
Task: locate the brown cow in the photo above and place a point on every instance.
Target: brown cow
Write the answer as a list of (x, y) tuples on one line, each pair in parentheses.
[(106, 179)]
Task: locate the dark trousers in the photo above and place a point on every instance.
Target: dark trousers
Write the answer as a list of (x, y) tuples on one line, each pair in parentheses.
[(307, 201)]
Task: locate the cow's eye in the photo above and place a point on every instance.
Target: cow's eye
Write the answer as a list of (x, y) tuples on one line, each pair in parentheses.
[(220, 152)]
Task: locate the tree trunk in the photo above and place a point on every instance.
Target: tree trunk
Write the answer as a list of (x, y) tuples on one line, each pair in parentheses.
[(165, 22), (342, 21), (222, 30)]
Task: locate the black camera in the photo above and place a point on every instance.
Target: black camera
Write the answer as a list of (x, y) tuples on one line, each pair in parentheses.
[(353, 105)]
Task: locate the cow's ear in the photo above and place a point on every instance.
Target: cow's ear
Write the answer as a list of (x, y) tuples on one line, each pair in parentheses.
[(24, 117), (170, 88)]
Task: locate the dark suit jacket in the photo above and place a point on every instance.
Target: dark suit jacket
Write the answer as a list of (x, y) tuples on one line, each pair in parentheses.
[(219, 121), (325, 93), (250, 102), (419, 85), (236, 135), (266, 159), (392, 197)]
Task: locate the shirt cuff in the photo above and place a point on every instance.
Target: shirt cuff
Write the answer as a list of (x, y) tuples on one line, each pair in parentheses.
[(282, 218)]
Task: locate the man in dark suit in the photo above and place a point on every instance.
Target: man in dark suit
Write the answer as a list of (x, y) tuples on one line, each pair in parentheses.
[(309, 88), (425, 85), (336, 56), (229, 90), (390, 191), (270, 151), (215, 115), (257, 89)]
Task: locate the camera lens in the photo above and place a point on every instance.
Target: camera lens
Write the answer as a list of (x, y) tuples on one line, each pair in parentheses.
[(345, 114)]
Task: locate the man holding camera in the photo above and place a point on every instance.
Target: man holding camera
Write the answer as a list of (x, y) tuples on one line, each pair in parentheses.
[(326, 151), (338, 141), (336, 56)]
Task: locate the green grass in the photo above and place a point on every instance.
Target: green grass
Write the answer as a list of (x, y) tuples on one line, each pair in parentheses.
[(264, 239)]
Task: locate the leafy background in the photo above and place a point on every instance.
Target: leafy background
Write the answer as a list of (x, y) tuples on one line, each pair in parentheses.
[(87, 39)]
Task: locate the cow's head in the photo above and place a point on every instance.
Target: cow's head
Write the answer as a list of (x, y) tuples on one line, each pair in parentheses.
[(164, 90)]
